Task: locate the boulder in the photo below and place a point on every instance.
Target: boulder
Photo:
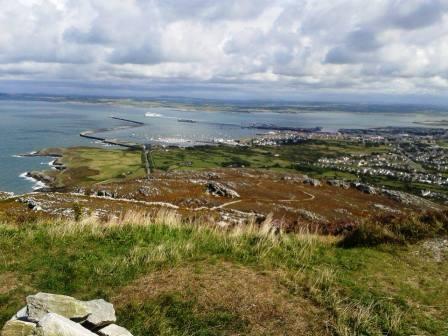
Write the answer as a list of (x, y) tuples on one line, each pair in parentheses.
[(311, 216), (219, 189), (365, 188), (313, 182), (114, 330), (42, 303), (18, 328), (106, 193), (53, 324), (339, 183), (101, 313)]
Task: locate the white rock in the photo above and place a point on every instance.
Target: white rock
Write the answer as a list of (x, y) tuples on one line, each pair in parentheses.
[(42, 303), (114, 330), (56, 325), (101, 312)]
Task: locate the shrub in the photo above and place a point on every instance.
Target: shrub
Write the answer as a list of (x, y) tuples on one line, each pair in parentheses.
[(77, 211), (236, 162), (369, 234), (391, 228)]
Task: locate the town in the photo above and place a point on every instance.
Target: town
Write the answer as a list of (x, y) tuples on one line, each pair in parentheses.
[(410, 155)]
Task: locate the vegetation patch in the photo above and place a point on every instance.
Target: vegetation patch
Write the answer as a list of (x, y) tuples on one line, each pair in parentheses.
[(391, 228), (161, 272)]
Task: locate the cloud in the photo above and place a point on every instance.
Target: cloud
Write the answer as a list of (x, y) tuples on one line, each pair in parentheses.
[(337, 46), (415, 14)]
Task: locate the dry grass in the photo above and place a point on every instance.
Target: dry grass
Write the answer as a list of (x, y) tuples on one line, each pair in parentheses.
[(266, 307), (8, 282), (274, 282)]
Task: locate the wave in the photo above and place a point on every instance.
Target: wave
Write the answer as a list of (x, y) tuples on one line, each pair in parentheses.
[(17, 156), (157, 115), (171, 140), (37, 184), (153, 115)]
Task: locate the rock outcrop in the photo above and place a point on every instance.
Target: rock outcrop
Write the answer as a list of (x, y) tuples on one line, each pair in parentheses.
[(219, 189), (40, 176), (5, 195), (312, 181), (339, 184), (365, 188), (30, 203), (106, 193), (59, 315)]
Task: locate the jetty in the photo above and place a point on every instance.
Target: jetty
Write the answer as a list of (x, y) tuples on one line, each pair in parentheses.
[(92, 134)]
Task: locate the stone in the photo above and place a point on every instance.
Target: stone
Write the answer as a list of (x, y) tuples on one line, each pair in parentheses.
[(114, 330), (313, 182), (106, 193), (101, 313), (405, 198), (311, 216), (219, 189), (365, 188), (18, 328), (339, 183), (42, 303), (53, 324)]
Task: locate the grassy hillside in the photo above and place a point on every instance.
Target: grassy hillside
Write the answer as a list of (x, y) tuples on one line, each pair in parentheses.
[(171, 278)]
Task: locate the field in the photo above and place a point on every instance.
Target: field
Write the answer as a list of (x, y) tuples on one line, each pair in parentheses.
[(166, 277), (88, 165)]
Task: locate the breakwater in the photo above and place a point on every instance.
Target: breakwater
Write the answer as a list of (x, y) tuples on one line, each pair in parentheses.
[(92, 134)]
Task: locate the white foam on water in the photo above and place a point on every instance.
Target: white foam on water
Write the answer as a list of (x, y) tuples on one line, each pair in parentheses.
[(172, 140), (157, 115), (153, 115), (37, 184), (17, 156)]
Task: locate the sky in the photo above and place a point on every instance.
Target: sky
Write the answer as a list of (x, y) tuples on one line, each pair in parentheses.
[(273, 49)]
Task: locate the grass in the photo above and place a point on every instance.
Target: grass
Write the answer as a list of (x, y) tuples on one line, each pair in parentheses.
[(168, 277), (87, 165), (398, 228)]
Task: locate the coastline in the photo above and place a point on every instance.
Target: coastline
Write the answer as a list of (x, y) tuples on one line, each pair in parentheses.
[(37, 184)]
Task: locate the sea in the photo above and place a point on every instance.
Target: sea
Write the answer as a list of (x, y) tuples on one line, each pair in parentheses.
[(28, 125)]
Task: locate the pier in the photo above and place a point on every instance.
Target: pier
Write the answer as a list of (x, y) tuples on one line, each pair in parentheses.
[(91, 134)]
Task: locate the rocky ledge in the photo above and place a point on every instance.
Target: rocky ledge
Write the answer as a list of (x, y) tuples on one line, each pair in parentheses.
[(40, 176), (50, 315)]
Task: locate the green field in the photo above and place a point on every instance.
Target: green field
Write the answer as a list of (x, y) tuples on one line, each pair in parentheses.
[(169, 278), (88, 165)]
